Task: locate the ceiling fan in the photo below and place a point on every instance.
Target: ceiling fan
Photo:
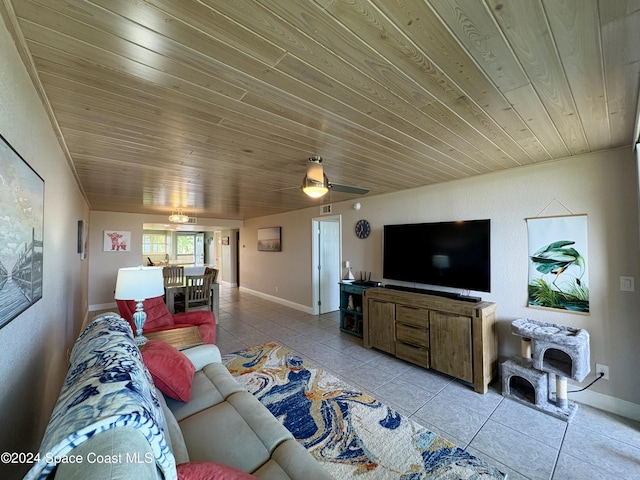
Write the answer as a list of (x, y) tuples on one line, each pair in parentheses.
[(316, 184)]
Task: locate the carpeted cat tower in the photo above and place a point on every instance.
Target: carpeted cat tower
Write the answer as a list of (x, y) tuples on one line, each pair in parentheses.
[(547, 351)]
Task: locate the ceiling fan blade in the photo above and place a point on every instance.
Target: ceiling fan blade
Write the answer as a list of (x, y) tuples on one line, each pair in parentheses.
[(285, 188), (347, 189)]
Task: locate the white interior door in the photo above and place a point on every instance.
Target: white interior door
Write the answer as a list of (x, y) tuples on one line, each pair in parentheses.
[(217, 249), (199, 249), (329, 265)]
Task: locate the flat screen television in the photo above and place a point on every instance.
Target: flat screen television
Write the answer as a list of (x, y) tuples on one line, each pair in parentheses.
[(447, 254)]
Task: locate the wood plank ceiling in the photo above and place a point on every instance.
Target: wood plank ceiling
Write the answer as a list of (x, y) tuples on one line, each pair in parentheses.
[(214, 106)]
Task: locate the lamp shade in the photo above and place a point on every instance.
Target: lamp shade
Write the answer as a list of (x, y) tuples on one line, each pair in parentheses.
[(139, 283), (315, 189), (315, 183)]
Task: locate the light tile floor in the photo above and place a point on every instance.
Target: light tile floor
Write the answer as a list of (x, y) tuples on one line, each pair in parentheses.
[(521, 441)]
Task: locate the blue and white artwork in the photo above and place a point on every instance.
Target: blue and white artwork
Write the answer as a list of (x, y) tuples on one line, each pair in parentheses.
[(21, 234)]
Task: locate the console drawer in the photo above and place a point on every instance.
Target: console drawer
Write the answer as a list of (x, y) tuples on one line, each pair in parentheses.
[(357, 289), (418, 317), (418, 336), (416, 355)]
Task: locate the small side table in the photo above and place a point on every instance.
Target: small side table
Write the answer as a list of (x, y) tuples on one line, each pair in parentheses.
[(180, 338)]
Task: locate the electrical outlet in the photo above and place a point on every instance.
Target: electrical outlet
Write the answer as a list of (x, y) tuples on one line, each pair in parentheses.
[(277, 289), (604, 369)]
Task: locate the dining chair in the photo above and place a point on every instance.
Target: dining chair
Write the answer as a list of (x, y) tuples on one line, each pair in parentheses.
[(213, 272), (197, 294), (173, 276)]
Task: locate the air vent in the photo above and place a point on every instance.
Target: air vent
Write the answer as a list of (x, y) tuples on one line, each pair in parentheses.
[(325, 209)]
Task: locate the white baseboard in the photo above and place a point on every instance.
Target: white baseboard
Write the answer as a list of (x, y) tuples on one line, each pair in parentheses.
[(608, 404), (281, 301)]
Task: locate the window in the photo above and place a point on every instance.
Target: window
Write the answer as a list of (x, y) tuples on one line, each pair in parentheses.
[(154, 243), (185, 247), (185, 244)]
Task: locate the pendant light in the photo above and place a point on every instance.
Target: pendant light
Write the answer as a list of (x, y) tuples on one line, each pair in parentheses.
[(178, 217)]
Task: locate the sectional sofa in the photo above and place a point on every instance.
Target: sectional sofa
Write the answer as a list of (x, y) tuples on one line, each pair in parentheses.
[(112, 422)]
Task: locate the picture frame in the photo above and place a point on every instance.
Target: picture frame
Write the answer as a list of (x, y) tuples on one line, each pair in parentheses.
[(118, 241), (270, 239), (21, 234), (83, 231)]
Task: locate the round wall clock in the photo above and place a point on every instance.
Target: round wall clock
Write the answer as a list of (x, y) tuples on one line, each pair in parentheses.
[(363, 229)]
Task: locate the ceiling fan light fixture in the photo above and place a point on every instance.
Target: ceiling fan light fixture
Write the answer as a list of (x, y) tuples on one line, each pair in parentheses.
[(315, 183), (314, 188), (178, 217)]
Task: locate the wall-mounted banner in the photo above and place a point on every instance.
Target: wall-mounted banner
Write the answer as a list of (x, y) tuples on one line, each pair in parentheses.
[(558, 261)]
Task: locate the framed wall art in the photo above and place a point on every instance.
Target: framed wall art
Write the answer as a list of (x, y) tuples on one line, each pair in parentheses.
[(21, 234), (269, 239), (116, 241), (558, 263), (83, 231)]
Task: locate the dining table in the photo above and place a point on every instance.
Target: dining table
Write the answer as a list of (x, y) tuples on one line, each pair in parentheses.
[(171, 291)]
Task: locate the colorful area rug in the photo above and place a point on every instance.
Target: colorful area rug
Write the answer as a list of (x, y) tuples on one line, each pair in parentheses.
[(351, 433)]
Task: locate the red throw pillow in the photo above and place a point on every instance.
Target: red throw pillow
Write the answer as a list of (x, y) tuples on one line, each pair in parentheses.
[(172, 372), (211, 471)]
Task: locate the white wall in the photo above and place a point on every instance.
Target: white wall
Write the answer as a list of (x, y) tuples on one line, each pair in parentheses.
[(602, 185), (103, 266), (33, 359)]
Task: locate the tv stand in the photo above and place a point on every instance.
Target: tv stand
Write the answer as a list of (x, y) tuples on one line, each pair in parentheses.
[(450, 335), (437, 293)]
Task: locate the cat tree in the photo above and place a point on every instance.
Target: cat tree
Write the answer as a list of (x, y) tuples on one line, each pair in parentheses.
[(547, 350)]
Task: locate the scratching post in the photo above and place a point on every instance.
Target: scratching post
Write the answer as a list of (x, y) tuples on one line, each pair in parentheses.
[(561, 392)]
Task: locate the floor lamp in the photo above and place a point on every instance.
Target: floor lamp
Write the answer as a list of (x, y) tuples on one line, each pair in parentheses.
[(138, 284)]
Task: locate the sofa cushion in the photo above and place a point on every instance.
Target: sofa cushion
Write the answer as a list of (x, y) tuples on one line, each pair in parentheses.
[(210, 386), (203, 355), (220, 434), (245, 433), (171, 370), (211, 471), (291, 460)]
